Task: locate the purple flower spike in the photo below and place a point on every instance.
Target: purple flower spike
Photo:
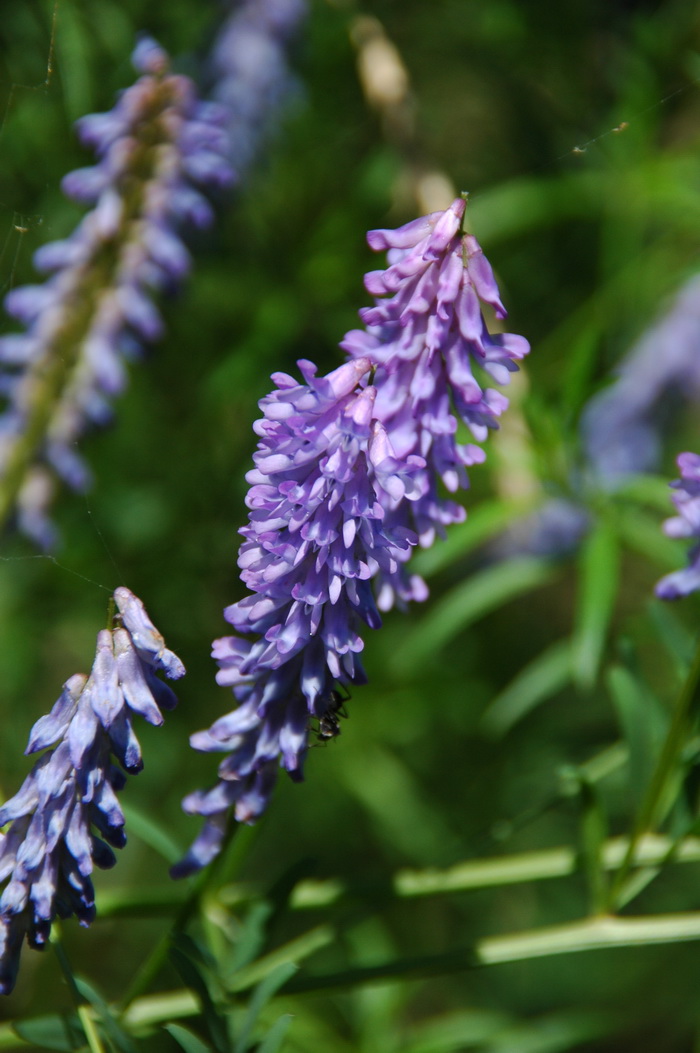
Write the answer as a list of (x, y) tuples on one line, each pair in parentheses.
[(66, 816), (252, 80), (429, 341), (315, 538), (622, 426), (685, 524), (157, 151)]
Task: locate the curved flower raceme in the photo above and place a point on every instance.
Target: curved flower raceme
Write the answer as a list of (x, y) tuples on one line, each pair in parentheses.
[(622, 426), (66, 815), (316, 536), (157, 149), (251, 76), (685, 524), (427, 338)]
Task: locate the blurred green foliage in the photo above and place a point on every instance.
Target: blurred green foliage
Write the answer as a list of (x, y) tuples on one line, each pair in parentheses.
[(476, 733)]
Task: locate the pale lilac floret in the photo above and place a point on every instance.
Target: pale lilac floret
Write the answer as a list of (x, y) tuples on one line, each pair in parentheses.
[(687, 525), (315, 539), (428, 339), (66, 818), (158, 152)]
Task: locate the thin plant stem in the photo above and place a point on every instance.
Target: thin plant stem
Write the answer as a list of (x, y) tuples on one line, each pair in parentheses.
[(83, 1010), (156, 959), (668, 758)]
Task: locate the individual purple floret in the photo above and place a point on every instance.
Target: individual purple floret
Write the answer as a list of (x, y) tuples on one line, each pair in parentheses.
[(429, 341), (66, 815), (621, 426), (156, 151), (316, 537), (251, 77), (685, 524)]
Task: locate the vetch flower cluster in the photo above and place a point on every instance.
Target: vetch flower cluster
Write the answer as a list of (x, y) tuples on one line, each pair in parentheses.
[(348, 474), (251, 77), (686, 524), (157, 149), (316, 537), (427, 338), (66, 815)]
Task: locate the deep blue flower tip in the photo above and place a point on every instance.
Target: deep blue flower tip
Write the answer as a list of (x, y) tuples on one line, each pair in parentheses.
[(66, 818)]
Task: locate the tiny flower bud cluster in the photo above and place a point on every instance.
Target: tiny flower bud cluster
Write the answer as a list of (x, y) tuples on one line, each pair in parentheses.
[(66, 815), (156, 150)]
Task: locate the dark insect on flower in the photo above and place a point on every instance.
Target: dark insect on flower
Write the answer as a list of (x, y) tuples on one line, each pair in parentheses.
[(329, 724)]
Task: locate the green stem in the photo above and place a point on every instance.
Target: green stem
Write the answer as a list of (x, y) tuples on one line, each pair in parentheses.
[(156, 959), (668, 759), (88, 1024)]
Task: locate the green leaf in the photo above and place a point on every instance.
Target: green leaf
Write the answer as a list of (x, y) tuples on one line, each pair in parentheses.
[(678, 641), (186, 1039), (480, 594), (153, 834), (539, 680), (52, 1032), (465, 1029), (275, 1037), (651, 490), (642, 533), (484, 523), (250, 941), (192, 964), (75, 51), (643, 725), (120, 1039), (593, 834), (598, 579), (259, 999)]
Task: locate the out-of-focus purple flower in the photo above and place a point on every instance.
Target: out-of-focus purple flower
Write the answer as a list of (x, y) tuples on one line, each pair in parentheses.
[(554, 529), (156, 151), (315, 538), (66, 815), (685, 524), (432, 350), (622, 425), (251, 77)]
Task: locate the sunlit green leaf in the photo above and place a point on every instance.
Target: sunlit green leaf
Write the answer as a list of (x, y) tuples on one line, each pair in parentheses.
[(481, 593), (272, 1042), (597, 588), (188, 1041), (51, 1032), (643, 723), (259, 999), (120, 1039), (536, 682)]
